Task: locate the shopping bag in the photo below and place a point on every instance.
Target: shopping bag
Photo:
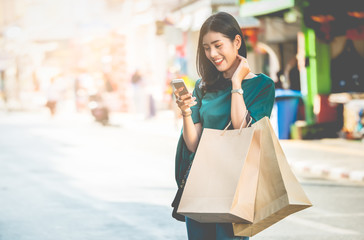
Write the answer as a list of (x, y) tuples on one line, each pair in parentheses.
[(225, 163), (278, 194)]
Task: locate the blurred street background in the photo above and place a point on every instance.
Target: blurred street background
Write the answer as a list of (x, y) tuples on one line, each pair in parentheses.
[(89, 126)]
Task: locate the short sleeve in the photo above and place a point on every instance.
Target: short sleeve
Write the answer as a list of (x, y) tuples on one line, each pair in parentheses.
[(196, 109), (262, 104)]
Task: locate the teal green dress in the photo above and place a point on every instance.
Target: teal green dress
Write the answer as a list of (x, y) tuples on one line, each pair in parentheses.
[(213, 110)]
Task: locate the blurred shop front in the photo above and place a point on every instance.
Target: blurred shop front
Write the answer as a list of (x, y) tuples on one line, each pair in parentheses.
[(339, 27), (181, 34), (92, 48), (316, 59), (179, 30), (275, 49)]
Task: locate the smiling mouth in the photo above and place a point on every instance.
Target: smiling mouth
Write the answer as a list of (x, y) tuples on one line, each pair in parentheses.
[(218, 62)]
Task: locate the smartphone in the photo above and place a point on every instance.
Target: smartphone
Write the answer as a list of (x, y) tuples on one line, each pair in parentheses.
[(177, 84)]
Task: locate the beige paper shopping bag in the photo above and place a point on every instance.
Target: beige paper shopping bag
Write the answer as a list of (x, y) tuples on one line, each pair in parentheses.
[(278, 194), (226, 162)]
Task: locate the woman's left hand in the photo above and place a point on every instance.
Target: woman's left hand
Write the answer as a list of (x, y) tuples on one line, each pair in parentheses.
[(241, 71)]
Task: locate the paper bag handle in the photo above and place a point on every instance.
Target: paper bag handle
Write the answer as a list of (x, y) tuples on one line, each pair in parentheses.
[(241, 126)]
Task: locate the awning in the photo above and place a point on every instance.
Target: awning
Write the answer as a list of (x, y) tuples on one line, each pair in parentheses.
[(330, 18), (263, 7)]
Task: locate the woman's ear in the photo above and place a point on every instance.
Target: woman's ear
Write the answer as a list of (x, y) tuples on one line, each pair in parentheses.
[(237, 41)]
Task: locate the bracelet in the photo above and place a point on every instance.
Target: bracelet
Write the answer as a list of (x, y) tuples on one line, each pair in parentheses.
[(189, 113)]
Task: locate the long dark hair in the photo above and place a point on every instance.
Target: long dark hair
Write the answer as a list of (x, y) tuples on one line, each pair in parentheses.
[(225, 24)]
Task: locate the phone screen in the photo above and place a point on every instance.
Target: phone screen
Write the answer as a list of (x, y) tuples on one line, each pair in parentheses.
[(178, 85)]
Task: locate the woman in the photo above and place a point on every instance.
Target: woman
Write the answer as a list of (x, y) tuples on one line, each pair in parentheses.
[(226, 91)]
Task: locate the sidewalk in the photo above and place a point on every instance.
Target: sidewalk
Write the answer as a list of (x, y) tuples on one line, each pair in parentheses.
[(333, 159)]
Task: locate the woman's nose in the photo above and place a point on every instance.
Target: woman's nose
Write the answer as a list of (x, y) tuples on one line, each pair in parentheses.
[(213, 52)]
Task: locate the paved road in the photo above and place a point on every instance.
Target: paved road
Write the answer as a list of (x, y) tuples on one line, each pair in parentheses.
[(77, 180)]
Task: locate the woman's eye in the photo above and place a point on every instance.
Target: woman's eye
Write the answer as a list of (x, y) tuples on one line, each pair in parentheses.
[(218, 46), (206, 49)]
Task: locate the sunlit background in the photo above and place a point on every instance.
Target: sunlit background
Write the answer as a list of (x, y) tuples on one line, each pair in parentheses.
[(86, 47), (89, 126), (79, 55)]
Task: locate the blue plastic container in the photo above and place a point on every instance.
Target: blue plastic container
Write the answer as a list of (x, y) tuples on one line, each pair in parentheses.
[(287, 107)]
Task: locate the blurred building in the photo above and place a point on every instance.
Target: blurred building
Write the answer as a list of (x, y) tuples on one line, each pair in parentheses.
[(315, 47), (103, 39)]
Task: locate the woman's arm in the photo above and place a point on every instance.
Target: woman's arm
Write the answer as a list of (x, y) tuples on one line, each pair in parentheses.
[(238, 107), (191, 131)]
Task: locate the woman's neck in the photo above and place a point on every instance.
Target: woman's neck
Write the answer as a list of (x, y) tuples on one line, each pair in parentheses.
[(230, 72)]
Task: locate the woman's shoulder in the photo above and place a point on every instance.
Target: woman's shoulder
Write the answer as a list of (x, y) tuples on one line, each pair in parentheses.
[(261, 77), (198, 87), (199, 83), (260, 80)]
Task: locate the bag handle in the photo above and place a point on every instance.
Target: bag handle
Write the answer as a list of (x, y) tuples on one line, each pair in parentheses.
[(250, 121), (241, 126)]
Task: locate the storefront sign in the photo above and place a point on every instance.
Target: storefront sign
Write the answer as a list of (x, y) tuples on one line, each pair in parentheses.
[(262, 7)]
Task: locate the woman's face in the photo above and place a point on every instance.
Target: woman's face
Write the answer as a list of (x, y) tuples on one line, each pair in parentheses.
[(222, 52)]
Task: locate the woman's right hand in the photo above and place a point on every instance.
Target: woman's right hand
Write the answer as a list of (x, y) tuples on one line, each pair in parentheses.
[(241, 71), (184, 101)]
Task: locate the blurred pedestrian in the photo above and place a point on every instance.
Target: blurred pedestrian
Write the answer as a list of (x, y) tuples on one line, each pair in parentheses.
[(292, 74), (139, 97), (3, 91), (53, 95), (227, 90)]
